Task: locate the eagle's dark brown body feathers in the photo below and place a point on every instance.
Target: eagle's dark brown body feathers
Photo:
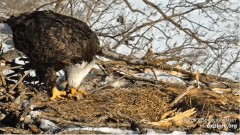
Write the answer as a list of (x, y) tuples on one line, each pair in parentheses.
[(53, 41)]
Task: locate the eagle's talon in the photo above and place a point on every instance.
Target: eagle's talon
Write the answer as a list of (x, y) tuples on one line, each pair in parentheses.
[(57, 94), (78, 94), (73, 91), (83, 92)]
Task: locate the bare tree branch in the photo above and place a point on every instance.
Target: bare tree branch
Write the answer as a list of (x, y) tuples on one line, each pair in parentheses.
[(133, 10)]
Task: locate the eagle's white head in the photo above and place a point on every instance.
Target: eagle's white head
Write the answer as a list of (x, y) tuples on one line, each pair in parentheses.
[(77, 72)]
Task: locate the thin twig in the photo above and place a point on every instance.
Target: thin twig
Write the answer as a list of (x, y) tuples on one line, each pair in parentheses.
[(3, 79), (179, 97), (133, 10), (10, 68), (46, 4), (27, 108), (20, 80)]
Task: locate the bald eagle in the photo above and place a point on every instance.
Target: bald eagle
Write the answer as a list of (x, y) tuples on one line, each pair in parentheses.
[(53, 42)]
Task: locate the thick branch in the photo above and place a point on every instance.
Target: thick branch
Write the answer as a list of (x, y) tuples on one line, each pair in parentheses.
[(205, 78)]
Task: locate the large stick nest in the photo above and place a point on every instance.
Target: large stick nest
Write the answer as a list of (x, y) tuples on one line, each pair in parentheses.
[(139, 104)]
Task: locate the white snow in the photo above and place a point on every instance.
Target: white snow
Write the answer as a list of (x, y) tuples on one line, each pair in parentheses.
[(115, 82), (34, 114), (5, 28), (47, 125), (162, 77), (108, 130)]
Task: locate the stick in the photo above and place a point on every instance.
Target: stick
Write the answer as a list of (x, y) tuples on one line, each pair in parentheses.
[(20, 80), (179, 97)]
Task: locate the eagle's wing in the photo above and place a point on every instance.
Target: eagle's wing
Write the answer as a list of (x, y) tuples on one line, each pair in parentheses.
[(52, 38)]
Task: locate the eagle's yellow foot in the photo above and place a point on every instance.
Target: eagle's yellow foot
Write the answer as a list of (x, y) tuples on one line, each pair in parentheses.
[(78, 94), (73, 91), (57, 94), (83, 92)]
